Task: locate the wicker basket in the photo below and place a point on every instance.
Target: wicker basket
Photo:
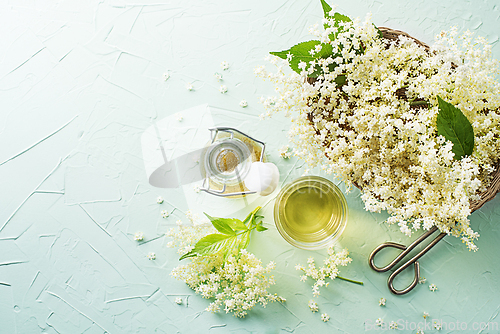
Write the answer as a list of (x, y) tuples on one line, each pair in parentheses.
[(494, 187)]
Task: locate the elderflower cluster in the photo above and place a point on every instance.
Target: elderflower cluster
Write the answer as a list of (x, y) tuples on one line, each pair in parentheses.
[(378, 132), (184, 237), (328, 270), (236, 283)]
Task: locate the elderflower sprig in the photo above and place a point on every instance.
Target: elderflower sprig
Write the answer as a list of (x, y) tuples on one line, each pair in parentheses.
[(328, 270), (220, 268)]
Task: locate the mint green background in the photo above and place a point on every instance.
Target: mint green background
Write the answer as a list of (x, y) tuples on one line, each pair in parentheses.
[(79, 83)]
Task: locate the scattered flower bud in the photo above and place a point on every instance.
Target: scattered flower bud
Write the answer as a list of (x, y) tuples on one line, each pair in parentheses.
[(139, 236), (159, 200), (313, 306), (284, 152), (151, 256)]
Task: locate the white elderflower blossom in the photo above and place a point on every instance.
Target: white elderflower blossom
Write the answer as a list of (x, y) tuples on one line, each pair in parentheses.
[(437, 326), (433, 287), (313, 306), (233, 288), (189, 86), (390, 148), (284, 152), (243, 103), (381, 302), (151, 256), (420, 331), (325, 317), (166, 76), (393, 325), (235, 284), (138, 236), (218, 76), (422, 280), (178, 300), (165, 213), (328, 270), (425, 315), (178, 117), (223, 89), (159, 200), (379, 322), (224, 65)]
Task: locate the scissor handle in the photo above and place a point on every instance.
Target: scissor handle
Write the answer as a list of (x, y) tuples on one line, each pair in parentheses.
[(409, 287), (405, 251), (390, 265)]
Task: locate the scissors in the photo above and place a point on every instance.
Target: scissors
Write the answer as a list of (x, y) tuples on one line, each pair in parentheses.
[(405, 251)]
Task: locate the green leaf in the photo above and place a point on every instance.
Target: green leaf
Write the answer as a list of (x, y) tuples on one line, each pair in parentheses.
[(326, 8), (251, 215), (210, 217), (341, 18), (260, 228), (237, 225), (227, 225), (336, 16), (223, 227), (245, 239), (210, 244), (454, 126), (340, 80), (379, 32), (300, 53)]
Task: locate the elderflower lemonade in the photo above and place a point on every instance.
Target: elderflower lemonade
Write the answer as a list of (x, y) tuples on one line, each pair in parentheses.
[(310, 213)]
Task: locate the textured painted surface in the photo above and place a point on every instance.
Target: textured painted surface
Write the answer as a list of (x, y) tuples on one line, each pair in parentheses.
[(80, 81)]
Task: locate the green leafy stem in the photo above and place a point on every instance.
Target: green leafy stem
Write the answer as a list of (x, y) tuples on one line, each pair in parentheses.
[(300, 53), (233, 236)]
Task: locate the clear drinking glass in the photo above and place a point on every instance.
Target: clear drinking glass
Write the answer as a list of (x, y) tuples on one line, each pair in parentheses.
[(310, 212)]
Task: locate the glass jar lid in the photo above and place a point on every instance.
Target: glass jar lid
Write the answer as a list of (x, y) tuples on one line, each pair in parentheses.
[(227, 161)]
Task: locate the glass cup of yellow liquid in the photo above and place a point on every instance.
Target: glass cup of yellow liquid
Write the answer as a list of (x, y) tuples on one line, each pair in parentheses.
[(310, 212)]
